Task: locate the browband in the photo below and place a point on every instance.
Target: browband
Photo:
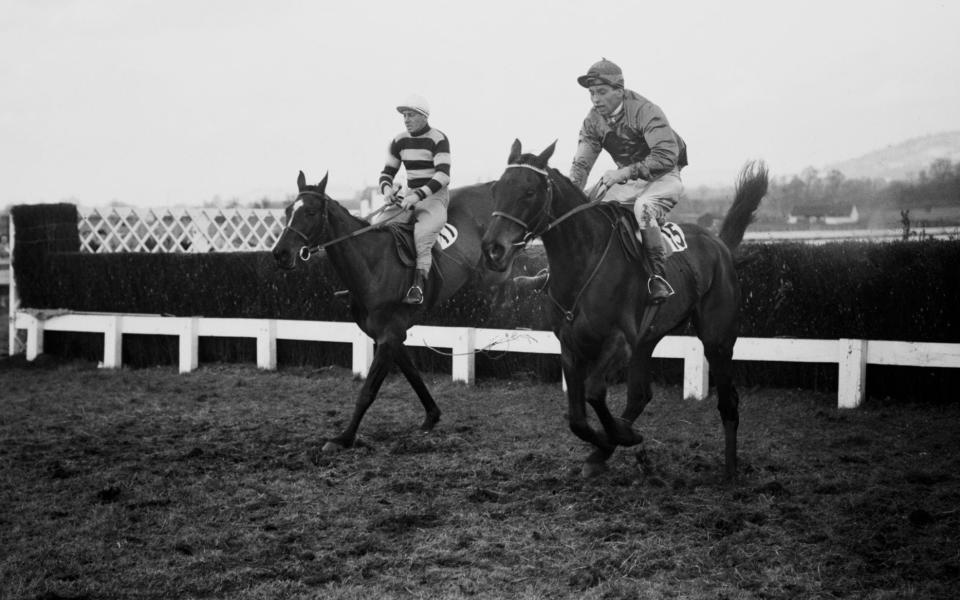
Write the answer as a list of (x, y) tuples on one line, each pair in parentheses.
[(531, 167)]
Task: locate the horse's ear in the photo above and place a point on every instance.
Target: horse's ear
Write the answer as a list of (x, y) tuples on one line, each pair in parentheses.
[(322, 186), (301, 181), (546, 154), (514, 153)]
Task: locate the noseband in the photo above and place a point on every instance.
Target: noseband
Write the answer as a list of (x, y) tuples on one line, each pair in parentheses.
[(529, 232)]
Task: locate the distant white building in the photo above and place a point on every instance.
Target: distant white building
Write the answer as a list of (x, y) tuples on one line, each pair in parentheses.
[(828, 214)]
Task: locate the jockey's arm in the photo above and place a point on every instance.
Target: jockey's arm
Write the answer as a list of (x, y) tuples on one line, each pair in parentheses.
[(390, 168), (588, 149), (664, 149)]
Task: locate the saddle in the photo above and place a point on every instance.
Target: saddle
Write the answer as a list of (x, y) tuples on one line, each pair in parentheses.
[(628, 232), (407, 249)]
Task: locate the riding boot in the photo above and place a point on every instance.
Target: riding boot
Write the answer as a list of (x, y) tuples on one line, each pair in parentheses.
[(415, 293), (657, 286)]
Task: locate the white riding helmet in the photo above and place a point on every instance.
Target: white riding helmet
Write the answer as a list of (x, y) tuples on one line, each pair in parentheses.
[(417, 103)]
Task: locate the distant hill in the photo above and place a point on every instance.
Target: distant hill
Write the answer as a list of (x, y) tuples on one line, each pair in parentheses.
[(902, 161)]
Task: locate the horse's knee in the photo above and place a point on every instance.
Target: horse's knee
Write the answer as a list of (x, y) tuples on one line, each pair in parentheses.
[(580, 428)]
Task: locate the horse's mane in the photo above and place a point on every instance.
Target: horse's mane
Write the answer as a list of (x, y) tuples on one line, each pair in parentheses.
[(559, 179), (566, 185), (330, 202)]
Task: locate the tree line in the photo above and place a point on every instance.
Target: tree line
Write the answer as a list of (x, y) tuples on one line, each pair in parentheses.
[(938, 185)]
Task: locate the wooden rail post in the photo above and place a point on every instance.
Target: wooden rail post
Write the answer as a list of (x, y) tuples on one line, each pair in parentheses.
[(34, 328), (362, 354), (113, 342), (696, 375), (464, 342), (267, 344), (14, 297), (853, 372), (189, 344)]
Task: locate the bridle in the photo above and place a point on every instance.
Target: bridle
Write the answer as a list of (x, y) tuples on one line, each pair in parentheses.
[(308, 250), (530, 233)]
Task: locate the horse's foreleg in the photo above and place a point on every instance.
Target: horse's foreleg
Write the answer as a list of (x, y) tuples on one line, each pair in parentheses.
[(613, 356), (379, 368), (577, 415), (639, 394), (413, 376), (596, 396)]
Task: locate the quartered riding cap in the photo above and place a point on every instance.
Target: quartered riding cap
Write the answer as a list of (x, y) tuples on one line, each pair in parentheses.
[(603, 72), (416, 103)]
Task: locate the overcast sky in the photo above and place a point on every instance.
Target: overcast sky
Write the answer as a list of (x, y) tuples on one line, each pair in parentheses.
[(173, 102)]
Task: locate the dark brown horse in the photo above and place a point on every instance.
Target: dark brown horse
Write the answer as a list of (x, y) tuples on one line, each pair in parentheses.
[(599, 294), (367, 262)]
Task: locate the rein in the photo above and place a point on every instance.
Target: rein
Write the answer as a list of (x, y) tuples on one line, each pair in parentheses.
[(307, 250), (530, 233)]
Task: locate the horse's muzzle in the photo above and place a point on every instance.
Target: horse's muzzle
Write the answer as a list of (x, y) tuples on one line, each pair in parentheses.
[(284, 258), (496, 255)]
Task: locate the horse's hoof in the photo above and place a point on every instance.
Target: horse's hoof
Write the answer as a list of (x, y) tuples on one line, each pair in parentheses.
[(592, 469), (631, 439), (332, 447), (428, 424)]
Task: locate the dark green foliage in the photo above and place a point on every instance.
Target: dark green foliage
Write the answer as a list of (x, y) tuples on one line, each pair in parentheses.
[(41, 230), (898, 291)]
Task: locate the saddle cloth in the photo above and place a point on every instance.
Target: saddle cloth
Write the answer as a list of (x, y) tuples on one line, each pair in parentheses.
[(407, 250), (671, 233)]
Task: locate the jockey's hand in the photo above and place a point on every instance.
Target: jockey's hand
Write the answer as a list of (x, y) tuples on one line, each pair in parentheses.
[(409, 201), (389, 196), (615, 176)]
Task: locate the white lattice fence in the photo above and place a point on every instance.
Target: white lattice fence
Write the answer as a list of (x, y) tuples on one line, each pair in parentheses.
[(178, 229)]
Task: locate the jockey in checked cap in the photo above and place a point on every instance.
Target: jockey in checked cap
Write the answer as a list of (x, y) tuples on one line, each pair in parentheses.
[(648, 155)]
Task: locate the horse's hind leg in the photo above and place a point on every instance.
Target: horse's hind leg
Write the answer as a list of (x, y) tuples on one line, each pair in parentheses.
[(720, 357), (716, 324), (413, 376), (368, 393)]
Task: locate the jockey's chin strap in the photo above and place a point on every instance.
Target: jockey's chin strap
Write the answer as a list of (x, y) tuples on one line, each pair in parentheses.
[(531, 232)]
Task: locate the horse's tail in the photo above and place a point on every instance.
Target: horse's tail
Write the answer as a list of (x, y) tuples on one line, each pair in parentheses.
[(751, 188)]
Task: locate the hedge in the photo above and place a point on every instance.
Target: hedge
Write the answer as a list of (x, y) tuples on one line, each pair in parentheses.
[(893, 291)]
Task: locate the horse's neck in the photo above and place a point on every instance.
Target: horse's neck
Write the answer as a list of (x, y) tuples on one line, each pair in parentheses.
[(570, 242), (349, 256)]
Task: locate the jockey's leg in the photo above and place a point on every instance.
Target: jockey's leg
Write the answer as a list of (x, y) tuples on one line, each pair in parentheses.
[(651, 208), (431, 216)]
